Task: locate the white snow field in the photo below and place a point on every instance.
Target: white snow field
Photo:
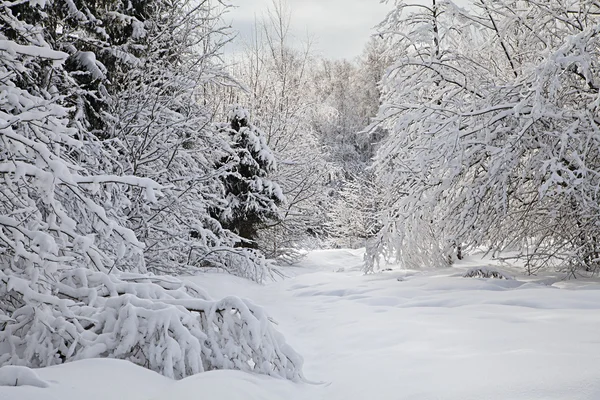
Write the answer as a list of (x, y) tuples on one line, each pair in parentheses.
[(398, 334)]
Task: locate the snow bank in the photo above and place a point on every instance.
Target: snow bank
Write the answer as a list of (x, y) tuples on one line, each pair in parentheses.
[(11, 375), (234, 385), (94, 379)]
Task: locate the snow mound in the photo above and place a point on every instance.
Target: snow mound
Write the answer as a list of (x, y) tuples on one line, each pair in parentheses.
[(90, 379), (11, 375), (102, 379), (233, 385)]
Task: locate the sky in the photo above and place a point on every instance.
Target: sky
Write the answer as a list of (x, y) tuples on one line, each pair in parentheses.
[(338, 28)]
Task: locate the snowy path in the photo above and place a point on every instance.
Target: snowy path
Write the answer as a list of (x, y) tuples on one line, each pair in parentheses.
[(398, 335)]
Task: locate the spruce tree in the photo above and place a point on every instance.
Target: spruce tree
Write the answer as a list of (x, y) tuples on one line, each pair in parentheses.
[(252, 198)]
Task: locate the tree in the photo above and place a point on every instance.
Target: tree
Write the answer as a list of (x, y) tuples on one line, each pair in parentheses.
[(252, 198), (492, 143), (353, 216), (162, 117), (277, 81), (73, 276), (348, 98)]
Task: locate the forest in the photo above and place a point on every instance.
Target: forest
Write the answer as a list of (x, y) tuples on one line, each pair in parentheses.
[(135, 152)]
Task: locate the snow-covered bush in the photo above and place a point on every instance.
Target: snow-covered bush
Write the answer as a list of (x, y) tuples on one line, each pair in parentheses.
[(158, 322), (486, 272)]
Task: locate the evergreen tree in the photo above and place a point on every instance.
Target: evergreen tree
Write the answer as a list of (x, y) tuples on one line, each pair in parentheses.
[(252, 198)]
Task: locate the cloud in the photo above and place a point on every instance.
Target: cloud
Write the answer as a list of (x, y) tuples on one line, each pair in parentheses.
[(341, 27)]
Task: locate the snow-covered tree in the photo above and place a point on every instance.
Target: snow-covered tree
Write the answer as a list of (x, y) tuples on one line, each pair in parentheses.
[(252, 198), (73, 279), (162, 118), (276, 76), (493, 124), (347, 94), (354, 215)]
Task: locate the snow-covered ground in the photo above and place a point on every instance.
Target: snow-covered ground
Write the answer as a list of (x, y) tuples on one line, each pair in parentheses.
[(395, 335)]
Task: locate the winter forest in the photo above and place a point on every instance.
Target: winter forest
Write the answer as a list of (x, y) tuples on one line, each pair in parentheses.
[(179, 220)]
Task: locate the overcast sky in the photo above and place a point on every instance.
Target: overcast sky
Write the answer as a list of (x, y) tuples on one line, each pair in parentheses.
[(340, 28)]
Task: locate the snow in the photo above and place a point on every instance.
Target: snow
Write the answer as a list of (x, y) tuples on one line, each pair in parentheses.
[(13, 375), (428, 334), (33, 51), (97, 379), (233, 385), (87, 59)]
